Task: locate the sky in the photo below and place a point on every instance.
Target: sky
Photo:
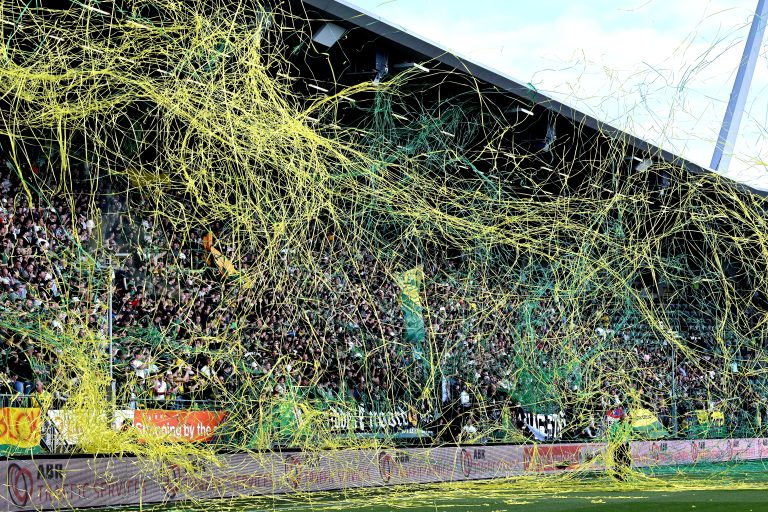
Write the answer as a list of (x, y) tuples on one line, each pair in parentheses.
[(661, 69)]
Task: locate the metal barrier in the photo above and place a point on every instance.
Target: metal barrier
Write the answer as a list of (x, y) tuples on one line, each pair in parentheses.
[(494, 421), (19, 400), (171, 404)]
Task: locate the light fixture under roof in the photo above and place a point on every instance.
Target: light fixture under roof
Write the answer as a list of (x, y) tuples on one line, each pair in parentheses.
[(522, 110), (328, 34), (322, 89), (382, 66), (644, 165), (137, 24), (416, 65), (91, 48), (94, 9)]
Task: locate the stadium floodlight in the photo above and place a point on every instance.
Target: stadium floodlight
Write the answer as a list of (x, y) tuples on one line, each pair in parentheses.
[(644, 165), (93, 8), (322, 89), (404, 65), (382, 67), (328, 34), (91, 48), (521, 110), (137, 24)]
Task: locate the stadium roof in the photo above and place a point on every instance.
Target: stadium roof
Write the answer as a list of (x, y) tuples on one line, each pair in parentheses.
[(349, 15)]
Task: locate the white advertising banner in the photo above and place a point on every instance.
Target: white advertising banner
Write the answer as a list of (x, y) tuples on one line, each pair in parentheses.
[(54, 483)]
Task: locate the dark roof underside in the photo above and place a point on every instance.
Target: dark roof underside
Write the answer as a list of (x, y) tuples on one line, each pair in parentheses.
[(338, 10)]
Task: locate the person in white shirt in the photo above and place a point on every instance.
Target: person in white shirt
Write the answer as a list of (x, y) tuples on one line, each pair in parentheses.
[(160, 388)]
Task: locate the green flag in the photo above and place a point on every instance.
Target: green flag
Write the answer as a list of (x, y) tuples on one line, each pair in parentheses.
[(410, 283)]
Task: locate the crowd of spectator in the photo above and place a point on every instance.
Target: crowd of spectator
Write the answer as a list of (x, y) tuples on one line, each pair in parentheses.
[(329, 327)]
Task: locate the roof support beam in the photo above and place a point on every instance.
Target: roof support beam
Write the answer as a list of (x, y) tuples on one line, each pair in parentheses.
[(721, 158)]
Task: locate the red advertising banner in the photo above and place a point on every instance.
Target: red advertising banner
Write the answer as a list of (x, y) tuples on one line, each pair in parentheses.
[(185, 426)]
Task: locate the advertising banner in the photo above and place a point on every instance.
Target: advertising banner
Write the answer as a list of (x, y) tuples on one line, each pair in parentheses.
[(396, 418), (42, 483), (67, 430), (551, 457), (549, 426), (20, 426), (185, 426)]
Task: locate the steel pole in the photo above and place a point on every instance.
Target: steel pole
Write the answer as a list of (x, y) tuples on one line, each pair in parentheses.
[(109, 328), (675, 424), (721, 158)]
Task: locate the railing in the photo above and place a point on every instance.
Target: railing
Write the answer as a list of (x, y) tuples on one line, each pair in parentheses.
[(52, 440), (494, 422), (19, 400), (171, 404)]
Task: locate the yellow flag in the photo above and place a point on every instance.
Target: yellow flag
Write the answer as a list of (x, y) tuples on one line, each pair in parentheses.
[(20, 427)]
